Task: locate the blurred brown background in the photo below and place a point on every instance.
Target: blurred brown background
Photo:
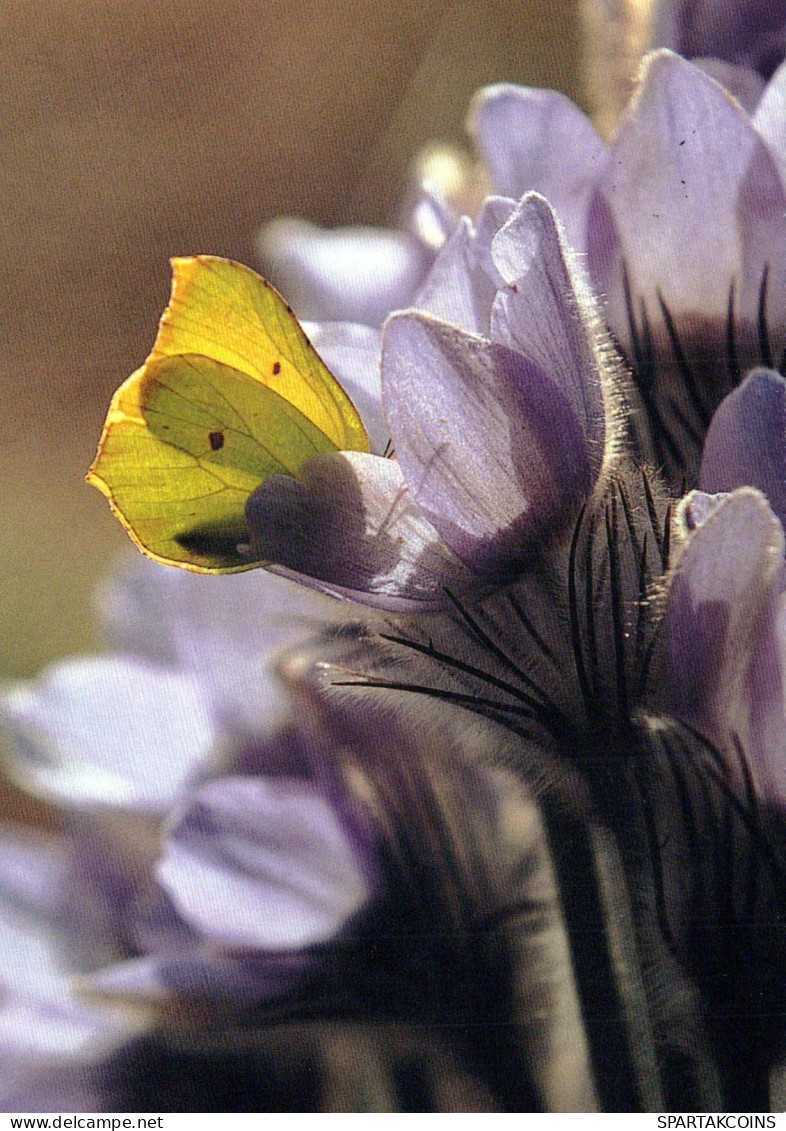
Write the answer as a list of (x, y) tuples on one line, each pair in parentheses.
[(138, 129)]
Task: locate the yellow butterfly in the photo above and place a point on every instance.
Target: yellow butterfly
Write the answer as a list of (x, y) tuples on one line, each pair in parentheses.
[(232, 393)]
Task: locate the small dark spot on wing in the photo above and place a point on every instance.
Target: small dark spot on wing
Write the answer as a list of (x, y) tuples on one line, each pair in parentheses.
[(216, 441), (276, 367)]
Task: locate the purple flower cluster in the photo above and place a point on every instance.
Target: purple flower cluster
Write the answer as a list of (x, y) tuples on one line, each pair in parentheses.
[(502, 828)]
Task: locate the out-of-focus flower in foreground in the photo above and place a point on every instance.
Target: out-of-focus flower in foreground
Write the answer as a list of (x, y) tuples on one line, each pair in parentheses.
[(115, 741), (461, 956), (50, 1039)]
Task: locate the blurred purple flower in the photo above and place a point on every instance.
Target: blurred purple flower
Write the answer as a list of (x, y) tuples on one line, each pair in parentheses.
[(252, 872), (463, 936), (348, 273), (276, 893), (50, 1039), (189, 679), (361, 274), (115, 741)]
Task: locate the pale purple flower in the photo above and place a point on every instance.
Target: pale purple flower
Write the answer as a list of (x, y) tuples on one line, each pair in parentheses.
[(525, 567), (693, 291), (746, 446), (681, 216), (253, 876), (535, 140), (414, 526), (360, 274), (252, 872)]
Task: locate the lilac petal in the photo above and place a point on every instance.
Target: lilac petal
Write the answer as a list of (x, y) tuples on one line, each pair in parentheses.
[(450, 290), (351, 352), (746, 86), (770, 118), (697, 507), (346, 275), (48, 1036), (110, 731), (492, 450), (32, 874), (461, 285), (262, 863), (538, 140), (686, 170), (431, 218), (746, 441), (30, 958), (40, 1018), (720, 633), (199, 977), (350, 526), (544, 313), (57, 1029), (494, 214)]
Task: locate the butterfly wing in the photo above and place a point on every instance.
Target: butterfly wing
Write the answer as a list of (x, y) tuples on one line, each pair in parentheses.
[(232, 393)]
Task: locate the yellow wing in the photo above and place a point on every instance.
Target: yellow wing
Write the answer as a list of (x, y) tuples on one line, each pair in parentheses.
[(232, 393)]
